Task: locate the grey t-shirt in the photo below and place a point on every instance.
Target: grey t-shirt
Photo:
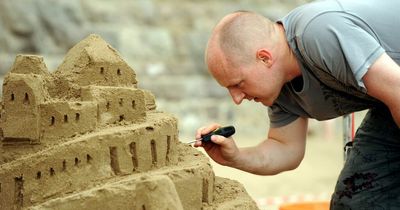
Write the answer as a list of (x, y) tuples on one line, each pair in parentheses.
[(336, 41)]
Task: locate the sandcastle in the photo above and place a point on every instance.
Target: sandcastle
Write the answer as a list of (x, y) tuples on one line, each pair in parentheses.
[(86, 137)]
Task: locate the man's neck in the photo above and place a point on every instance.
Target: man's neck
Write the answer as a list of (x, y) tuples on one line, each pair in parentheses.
[(290, 63)]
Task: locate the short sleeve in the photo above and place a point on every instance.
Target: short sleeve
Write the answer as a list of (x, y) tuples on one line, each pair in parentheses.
[(279, 117), (342, 45)]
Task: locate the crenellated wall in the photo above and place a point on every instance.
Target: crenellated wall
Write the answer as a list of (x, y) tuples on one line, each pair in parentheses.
[(116, 104), (60, 119)]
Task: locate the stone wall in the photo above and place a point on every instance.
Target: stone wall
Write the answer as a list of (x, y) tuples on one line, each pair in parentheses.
[(162, 40)]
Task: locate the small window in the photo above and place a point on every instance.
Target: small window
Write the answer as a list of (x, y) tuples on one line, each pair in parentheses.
[(26, 98), (52, 172), (133, 151), (52, 120), (153, 152), (121, 102), (65, 118), (64, 165), (76, 161), (121, 117), (77, 116), (108, 105), (12, 97), (133, 104), (118, 71), (89, 158), (114, 162), (101, 70), (38, 175), (168, 148)]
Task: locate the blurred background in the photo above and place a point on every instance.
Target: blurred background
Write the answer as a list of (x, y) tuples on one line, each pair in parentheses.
[(164, 42)]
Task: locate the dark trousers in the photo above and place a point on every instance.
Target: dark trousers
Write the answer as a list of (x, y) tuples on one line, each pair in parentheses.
[(370, 179)]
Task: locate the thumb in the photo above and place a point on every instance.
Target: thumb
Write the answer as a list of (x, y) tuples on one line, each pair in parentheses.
[(217, 139)]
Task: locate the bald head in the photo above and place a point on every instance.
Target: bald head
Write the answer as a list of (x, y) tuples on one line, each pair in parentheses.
[(238, 36)]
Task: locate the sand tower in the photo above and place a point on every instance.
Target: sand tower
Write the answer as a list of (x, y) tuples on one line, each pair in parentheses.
[(86, 137)]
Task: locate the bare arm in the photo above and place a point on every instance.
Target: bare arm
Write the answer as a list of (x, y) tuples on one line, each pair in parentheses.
[(282, 151), (383, 82)]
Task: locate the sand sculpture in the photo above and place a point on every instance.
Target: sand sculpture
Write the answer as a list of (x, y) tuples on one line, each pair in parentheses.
[(86, 137)]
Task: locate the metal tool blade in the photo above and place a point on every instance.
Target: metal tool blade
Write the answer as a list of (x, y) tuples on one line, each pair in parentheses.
[(191, 142)]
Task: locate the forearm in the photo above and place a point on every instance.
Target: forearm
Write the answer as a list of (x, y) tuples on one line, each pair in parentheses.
[(268, 158), (382, 82), (395, 114)]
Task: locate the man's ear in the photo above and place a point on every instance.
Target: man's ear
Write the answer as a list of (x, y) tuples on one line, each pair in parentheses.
[(265, 56)]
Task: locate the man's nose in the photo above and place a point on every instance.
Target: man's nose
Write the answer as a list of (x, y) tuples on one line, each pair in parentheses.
[(236, 95)]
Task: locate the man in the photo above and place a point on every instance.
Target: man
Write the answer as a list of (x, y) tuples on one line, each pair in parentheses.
[(323, 60)]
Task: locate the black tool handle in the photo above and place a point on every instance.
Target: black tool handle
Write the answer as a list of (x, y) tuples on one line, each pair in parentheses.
[(222, 131)]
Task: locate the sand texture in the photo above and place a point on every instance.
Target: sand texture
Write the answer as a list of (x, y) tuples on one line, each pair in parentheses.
[(86, 137)]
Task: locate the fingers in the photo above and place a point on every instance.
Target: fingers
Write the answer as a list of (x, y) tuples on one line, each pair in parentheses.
[(206, 129), (215, 140), (221, 149), (222, 141), (197, 144)]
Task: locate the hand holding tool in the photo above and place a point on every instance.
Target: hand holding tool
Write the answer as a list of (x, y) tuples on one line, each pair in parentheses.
[(226, 131)]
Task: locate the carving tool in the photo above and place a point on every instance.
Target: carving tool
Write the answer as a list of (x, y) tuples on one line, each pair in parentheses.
[(226, 131)]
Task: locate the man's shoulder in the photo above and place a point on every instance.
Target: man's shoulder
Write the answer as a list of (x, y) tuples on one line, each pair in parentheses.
[(299, 19)]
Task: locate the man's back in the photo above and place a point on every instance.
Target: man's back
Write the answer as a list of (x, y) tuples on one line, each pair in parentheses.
[(376, 17), (336, 42)]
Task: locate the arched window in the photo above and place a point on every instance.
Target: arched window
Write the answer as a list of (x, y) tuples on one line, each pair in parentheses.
[(88, 158), (53, 120), (26, 99)]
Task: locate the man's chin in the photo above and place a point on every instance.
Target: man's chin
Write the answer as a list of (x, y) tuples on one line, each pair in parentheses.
[(264, 102)]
